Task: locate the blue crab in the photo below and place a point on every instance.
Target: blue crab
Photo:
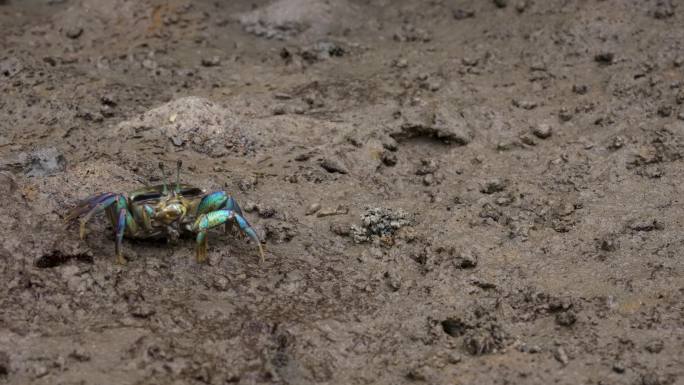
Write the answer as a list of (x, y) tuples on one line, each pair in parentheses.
[(161, 212)]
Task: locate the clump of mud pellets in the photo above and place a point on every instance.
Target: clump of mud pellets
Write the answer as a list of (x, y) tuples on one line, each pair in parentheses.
[(380, 222)]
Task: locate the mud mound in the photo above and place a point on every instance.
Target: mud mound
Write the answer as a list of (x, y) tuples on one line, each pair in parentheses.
[(284, 19), (190, 122)]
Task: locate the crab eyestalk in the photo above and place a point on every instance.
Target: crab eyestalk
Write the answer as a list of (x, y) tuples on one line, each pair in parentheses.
[(179, 164), (165, 189)]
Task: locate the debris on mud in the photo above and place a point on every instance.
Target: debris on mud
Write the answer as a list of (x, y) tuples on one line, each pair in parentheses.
[(380, 222)]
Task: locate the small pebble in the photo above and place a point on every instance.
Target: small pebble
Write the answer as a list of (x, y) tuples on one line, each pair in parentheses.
[(617, 143), (332, 166), (211, 62), (80, 354), (341, 229), (566, 318), (542, 131), (493, 185), (74, 32), (312, 209), (561, 356), (221, 283), (580, 89), (564, 114), (655, 346)]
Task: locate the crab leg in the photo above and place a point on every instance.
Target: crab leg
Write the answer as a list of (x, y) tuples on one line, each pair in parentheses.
[(215, 218), (120, 229), (86, 205), (101, 205)]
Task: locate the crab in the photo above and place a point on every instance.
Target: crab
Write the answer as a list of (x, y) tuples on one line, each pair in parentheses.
[(161, 212)]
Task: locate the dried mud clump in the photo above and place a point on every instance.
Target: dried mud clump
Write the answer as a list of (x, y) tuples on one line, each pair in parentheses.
[(38, 163), (380, 222), (441, 124)]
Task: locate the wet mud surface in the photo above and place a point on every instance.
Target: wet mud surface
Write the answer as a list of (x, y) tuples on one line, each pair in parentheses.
[(449, 192)]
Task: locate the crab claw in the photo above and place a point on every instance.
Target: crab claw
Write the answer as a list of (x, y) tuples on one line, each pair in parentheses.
[(217, 218)]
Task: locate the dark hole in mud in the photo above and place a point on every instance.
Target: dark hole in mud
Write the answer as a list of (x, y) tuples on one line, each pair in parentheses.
[(56, 258), (454, 327)]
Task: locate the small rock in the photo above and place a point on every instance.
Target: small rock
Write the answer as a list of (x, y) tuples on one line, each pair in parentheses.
[(40, 370), (566, 318), (608, 245), (74, 32), (108, 100), (327, 212), (564, 114), (80, 354), (341, 229), (580, 89), (561, 356), (279, 109), (221, 283), (393, 281), (655, 346), (454, 358), (501, 3), (524, 104), (427, 166), (619, 367), (332, 165), (142, 310), (303, 157), (401, 63), (521, 6), (466, 259), (312, 209), (604, 58), (645, 225), (417, 374), (266, 211), (542, 131), (390, 143), (494, 185), (616, 143), (528, 140), (213, 61)]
